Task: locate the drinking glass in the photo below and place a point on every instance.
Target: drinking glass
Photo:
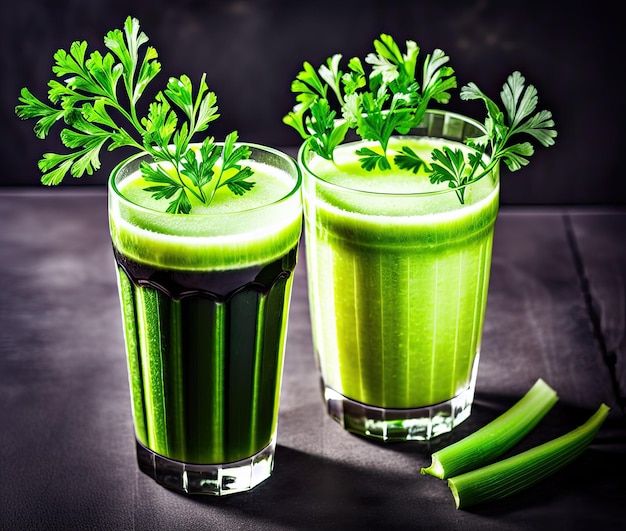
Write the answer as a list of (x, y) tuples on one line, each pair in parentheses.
[(205, 299), (398, 279)]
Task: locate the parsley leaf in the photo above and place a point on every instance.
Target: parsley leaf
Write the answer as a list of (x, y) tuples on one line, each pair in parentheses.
[(449, 166), (387, 101), (237, 183), (89, 91), (407, 159), (520, 102), (370, 159), (391, 100)]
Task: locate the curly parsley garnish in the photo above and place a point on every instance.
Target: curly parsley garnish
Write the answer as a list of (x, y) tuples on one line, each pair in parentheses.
[(88, 94), (390, 100)]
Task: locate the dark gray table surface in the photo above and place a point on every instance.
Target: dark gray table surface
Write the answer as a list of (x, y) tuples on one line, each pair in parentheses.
[(556, 310)]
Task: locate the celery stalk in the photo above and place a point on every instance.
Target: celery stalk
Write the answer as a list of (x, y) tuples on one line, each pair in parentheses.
[(495, 438), (516, 473)]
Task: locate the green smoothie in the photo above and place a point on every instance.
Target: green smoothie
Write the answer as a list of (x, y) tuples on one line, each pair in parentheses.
[(205, 298), (398, 275), (205, 235)]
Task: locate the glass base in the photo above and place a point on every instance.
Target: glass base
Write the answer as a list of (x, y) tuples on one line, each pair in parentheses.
[(385, 424), (214, 480)]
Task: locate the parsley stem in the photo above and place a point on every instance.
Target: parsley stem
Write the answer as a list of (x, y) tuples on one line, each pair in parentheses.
[(200, 196), (516, 473), (495, 438), (217, 184), (460, 193)]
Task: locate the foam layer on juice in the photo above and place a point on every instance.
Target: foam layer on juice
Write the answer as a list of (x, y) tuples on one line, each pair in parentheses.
[(233, 232), (346, 171), (398, 206)]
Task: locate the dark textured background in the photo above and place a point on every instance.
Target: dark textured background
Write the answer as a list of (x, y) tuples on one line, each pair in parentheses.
[(251, 50)]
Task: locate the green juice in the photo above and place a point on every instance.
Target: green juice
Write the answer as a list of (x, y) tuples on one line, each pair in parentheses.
[(205, 299), (398, 276)]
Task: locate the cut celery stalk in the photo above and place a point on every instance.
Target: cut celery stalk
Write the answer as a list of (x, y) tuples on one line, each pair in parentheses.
[(516, 473), (494, 438)]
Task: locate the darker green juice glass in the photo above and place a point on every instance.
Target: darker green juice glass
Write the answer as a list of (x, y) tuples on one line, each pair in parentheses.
[(205, 299)]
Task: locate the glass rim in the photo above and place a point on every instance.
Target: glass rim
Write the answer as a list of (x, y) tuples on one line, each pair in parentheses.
[(304, 148), (297, 174)]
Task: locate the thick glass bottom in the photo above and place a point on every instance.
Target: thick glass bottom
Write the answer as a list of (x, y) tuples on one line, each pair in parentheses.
[(389, 425), (214, 479)]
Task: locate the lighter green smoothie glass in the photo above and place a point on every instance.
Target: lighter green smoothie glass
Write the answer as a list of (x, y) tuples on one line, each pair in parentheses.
[(400, 202), (205, 299), (398, 272)]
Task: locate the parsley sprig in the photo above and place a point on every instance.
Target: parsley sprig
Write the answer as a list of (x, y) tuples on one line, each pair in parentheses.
[(391, 100), (89, 103)]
